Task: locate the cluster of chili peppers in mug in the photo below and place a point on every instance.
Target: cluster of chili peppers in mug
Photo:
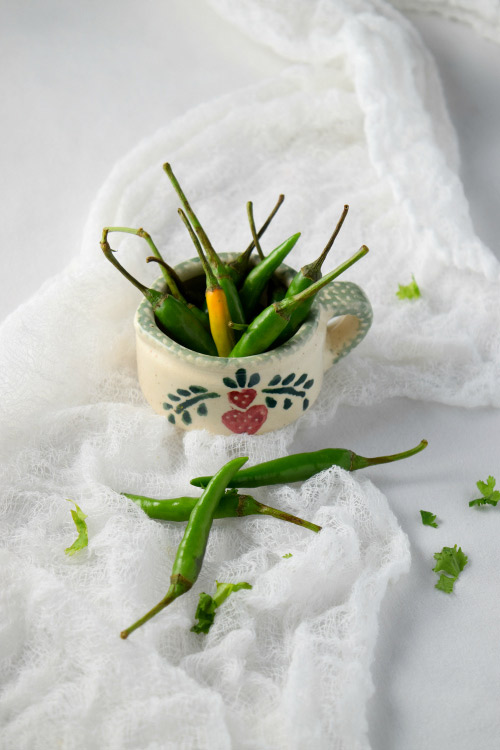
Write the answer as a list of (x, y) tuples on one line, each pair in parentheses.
[(217, 501), (246, 310)]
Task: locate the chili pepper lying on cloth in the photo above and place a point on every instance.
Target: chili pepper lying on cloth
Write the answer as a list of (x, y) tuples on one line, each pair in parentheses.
[(301, 466), (191, 550), (231, 505)]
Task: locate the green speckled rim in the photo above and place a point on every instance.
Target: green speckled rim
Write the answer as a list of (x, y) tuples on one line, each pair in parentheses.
[(344, 294)]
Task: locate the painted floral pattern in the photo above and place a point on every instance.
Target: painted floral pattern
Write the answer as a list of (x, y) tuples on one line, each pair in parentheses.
[(245, 418), (181, 403)]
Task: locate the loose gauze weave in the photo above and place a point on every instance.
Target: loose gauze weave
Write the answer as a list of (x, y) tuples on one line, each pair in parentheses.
[(357, 118)]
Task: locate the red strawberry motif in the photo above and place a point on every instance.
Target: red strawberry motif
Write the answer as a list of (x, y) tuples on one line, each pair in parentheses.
[(242, 399), (245, 421)]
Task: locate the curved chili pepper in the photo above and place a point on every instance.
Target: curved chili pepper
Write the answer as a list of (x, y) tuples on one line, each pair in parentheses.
[(260, 274), (231, 505), (239, 266), (219, 268), (267, 326), (191, 550), (302, 280), (301, 466), (200, 314), (172, 316)]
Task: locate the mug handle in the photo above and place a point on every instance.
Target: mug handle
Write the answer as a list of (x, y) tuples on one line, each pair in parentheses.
[(349, 316)]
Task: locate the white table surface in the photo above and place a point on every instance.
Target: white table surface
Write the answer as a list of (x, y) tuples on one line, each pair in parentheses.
[(82, 84)]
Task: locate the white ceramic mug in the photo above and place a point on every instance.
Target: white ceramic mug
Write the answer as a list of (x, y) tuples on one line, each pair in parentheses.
[(254, 394)]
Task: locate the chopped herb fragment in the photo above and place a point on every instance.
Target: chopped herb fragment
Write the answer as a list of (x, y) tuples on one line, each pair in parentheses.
[(288, 554), (410, 291), (490, 496), (450, 563), (83, 539), (205, 612), (428, 518)]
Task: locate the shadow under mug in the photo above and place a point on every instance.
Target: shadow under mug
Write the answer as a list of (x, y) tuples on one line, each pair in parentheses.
[(254, 394)]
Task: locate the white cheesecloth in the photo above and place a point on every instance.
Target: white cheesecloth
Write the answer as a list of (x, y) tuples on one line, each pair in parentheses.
[(357, 118)]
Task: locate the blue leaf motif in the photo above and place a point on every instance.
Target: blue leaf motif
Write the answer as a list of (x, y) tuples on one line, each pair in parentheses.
[(241, 377)]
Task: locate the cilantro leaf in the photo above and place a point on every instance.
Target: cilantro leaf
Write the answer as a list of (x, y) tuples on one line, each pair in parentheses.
[(490, 495), (445, 583), (83, 538), (205, 611), (410, 291), (450, 563), (288, 554), (428, 518)]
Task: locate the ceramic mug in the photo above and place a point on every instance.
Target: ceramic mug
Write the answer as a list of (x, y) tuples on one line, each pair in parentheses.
[(254, 394)]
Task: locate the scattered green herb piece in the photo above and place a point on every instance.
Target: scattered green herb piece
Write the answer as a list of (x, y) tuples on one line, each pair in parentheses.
[(288, 554), (83, 538), (490, 495), (450, 562), (205, 612), (428, 518), (410, 291)]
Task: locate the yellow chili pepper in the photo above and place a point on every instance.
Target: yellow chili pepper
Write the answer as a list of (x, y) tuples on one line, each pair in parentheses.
[(218, 310)]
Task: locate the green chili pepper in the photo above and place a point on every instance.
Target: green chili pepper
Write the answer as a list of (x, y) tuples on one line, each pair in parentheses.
[(266, 327), (302, 280), (239, 266), (260, 274), (231, 505), (301, 466), (219, 268), (191, 550), (200, 314), (172, 316)]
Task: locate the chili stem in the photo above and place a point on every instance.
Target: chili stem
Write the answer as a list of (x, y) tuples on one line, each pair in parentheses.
[(167, 274), (282, 515), (360, 462), (253, 230), (265, 224), (142, 233), (315, 267), (167, 599), (213, 258)]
